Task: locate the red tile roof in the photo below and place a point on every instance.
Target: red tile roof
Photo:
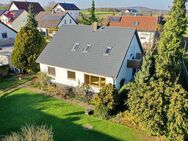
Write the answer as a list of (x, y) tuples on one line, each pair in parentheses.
[(144, 23)]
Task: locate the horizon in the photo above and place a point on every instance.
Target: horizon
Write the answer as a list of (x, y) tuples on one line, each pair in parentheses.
[(160, 4)]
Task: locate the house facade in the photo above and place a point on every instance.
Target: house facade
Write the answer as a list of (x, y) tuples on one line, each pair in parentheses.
[(16, 19), (71, 8), (7, 37), (48, 23), (92, 56), (147, 27), (24, 5)]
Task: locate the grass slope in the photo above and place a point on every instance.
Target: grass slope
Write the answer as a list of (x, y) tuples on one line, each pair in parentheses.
[(22, 107)]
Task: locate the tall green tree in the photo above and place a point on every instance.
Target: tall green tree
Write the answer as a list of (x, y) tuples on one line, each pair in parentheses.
[(28, 45), (92, 16), (31, 22), (170, 45)]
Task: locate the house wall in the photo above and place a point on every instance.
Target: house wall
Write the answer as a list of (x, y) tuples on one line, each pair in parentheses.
[(147, 39), (67, 20), (5, 29), (20, 21), (74, 13), (4, 19), (13, 7), (61, 77), (58, 8), (125, 72)]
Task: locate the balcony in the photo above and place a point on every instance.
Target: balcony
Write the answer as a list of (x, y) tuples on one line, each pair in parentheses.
[(6, 42), (135, 63)]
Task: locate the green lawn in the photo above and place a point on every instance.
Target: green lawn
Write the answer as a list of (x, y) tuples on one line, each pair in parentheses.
[(12, 81), (22, 107)]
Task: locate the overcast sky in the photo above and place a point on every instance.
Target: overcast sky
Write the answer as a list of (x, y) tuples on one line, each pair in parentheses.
[(157, 4)]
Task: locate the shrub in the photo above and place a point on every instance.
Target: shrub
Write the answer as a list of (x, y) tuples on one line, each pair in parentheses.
[(41, 81), (31, 133), (59, 92), (106, 101), (4, 70), (84, 92)]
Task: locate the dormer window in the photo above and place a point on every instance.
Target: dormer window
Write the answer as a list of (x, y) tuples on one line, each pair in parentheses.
[(108, 51), (86, 49), (75, 47)]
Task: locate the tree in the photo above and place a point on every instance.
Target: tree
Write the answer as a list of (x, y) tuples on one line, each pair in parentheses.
[(92, 17), (177, 113), (28, 44), (146, 103), (50, 5), (106, 101), (147, 70), (31, 22), (170, 45)]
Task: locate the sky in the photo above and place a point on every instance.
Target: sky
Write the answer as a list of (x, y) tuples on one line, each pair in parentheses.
[(157, 4)]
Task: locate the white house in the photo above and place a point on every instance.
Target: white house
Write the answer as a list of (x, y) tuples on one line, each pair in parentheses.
[(50, 22), (16, 19), (147, 27), (24, 5), (84, 54), (7, 37), (71, 8)]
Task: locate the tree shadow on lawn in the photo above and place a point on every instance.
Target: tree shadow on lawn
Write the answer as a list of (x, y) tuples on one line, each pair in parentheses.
[(16, 110)]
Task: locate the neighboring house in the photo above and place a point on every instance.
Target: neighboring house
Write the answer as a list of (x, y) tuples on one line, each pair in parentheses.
[(147, 27), (82, 54), (7, 37), (2, 11), (15, 19), (49, 22), (24, 5), (71, 8), (131, 11)]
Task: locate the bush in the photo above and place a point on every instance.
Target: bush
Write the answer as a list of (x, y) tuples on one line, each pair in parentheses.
[(106, 101), (31, 133), (41, 81), (84, 92), (4, 70)]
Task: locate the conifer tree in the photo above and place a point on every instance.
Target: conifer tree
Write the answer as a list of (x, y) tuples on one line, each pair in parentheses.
[(170, 45), (92, 17), (31, 22), (28, 45)]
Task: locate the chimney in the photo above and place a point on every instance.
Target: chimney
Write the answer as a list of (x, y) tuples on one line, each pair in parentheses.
[(95, 26)]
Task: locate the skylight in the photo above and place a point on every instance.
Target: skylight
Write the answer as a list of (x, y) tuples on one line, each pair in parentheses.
[(86, 49), (75, 47), (108, 50), (136, 23)]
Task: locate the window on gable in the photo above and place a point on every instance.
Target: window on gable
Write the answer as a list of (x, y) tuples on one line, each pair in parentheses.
[(86, 49), (108, 51), (70, 21), (75, 47), (136, 23), (65, 21), (4, 35)]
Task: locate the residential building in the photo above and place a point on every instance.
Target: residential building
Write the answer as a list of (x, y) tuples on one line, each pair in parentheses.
[(16, 19), (48, 23), (71, 8), (81, 54), (7, 37), (147, 27), (24, 5)]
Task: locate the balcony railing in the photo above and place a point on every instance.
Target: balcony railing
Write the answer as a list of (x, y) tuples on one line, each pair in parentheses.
[(135, 63)]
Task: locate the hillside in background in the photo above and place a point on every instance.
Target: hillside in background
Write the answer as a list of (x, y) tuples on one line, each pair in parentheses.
[(3, 6)]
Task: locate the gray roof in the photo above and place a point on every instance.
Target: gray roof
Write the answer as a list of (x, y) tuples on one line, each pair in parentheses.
[(2, 11), (49, 20), (59, 51)]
